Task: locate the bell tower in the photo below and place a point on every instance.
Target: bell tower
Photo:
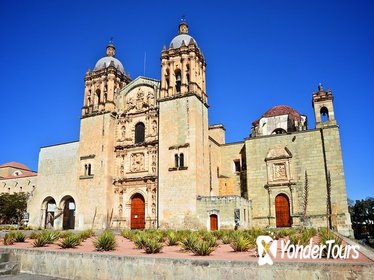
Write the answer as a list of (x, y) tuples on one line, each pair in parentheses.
[(102, 83), (183, 67), (96, 156), (183, 132), (323, 107)]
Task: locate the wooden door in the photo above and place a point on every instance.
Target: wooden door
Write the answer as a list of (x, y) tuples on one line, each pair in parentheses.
[(282, 211), (137, 212), (213, 222)]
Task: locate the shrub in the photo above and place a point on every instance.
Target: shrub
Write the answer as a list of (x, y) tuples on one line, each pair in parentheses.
[(172, 239), (189, 242), (106, 241), (70, 241), (18, 236), (66, 233), (202, 248), (140, 240), (8, 239), (241, 244), (128, 234), (86, 234), (41, 241), (324, 236), (152, 246), (50, 236), (34, 235)]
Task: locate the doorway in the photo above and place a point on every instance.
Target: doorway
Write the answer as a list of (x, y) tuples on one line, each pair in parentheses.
[(282, 211), (137, 212), (213, 222)]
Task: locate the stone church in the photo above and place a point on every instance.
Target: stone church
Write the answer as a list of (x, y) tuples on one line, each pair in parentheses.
[(148, 158)]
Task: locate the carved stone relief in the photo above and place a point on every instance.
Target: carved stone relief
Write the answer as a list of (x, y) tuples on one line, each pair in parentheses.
[(137, 162), (279, 171)]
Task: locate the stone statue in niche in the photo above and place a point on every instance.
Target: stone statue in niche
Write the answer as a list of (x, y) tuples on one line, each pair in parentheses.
[(154, 158), (123, 133), (279, 171), (120, 210), (137, 162), (140, 100), (122, 170), (150, 99), (154, 127), (130, 104)]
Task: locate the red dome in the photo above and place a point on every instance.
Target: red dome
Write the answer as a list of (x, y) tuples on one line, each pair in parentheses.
[(282, 110)]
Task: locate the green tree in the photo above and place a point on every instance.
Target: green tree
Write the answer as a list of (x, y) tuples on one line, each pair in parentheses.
[(12, 207), (362, 215)]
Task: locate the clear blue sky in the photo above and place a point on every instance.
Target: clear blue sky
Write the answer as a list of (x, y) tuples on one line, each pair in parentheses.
[(259, 54)]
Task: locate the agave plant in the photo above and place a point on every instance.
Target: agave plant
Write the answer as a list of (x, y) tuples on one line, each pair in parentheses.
[(105, 241), (18, 236), (41, 241), (8, 239), (202, 248), (189, 242), (70, 241), (172, 239), (152, 246), (241, 244)]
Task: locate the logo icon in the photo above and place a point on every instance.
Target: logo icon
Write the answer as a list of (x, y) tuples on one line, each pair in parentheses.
[(267, 248)]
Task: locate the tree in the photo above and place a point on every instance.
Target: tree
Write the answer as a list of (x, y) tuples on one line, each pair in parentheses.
[(12, 207), (362, 215)]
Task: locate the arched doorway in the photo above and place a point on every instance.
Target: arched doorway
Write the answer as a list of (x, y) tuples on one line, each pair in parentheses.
[(49, 207), (68, 219), (282, 211), (137, 212), (213, 222)]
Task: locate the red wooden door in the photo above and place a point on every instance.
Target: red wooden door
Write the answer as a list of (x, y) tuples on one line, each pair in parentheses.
[(282, 211), (137, 212), (213, 222)]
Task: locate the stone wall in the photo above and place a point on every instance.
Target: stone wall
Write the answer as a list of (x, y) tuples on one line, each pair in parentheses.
[(300, 152), (56, 180), (70, 265), (224, 207)]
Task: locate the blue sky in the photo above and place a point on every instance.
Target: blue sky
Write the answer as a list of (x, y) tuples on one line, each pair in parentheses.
[(259, 54)]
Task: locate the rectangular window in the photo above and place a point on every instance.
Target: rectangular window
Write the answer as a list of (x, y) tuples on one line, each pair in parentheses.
[(237, 165)]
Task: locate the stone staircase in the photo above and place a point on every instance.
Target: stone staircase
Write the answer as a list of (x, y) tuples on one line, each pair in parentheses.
[(8, 264)]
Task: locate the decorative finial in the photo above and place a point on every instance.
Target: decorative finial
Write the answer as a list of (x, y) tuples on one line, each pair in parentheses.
[(111, 49), (320, 87), (183, 26)]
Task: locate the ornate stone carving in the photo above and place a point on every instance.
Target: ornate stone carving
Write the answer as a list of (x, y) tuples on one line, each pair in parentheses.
[(154, 128), (137, 162), (279, 171)]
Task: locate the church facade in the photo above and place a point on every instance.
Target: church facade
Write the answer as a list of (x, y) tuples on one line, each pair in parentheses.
[(148, 158)]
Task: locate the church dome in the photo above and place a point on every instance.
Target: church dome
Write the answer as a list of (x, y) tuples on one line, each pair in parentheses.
[(182, 36), (177, 40), (280, 110), (104, 62)]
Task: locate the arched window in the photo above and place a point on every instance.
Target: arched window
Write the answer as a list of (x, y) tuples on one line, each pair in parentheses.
[(181, 160), (178, 81), (324, 114), (176, 160), (98, 96), (139, 133), (279, 131)]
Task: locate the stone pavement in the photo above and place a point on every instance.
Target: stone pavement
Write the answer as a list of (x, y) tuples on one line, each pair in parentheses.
[(24, 276)]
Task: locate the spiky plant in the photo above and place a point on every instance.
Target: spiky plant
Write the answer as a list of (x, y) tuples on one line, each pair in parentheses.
[(18, 236), (70, 241), (8, 239), (105, 241)]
